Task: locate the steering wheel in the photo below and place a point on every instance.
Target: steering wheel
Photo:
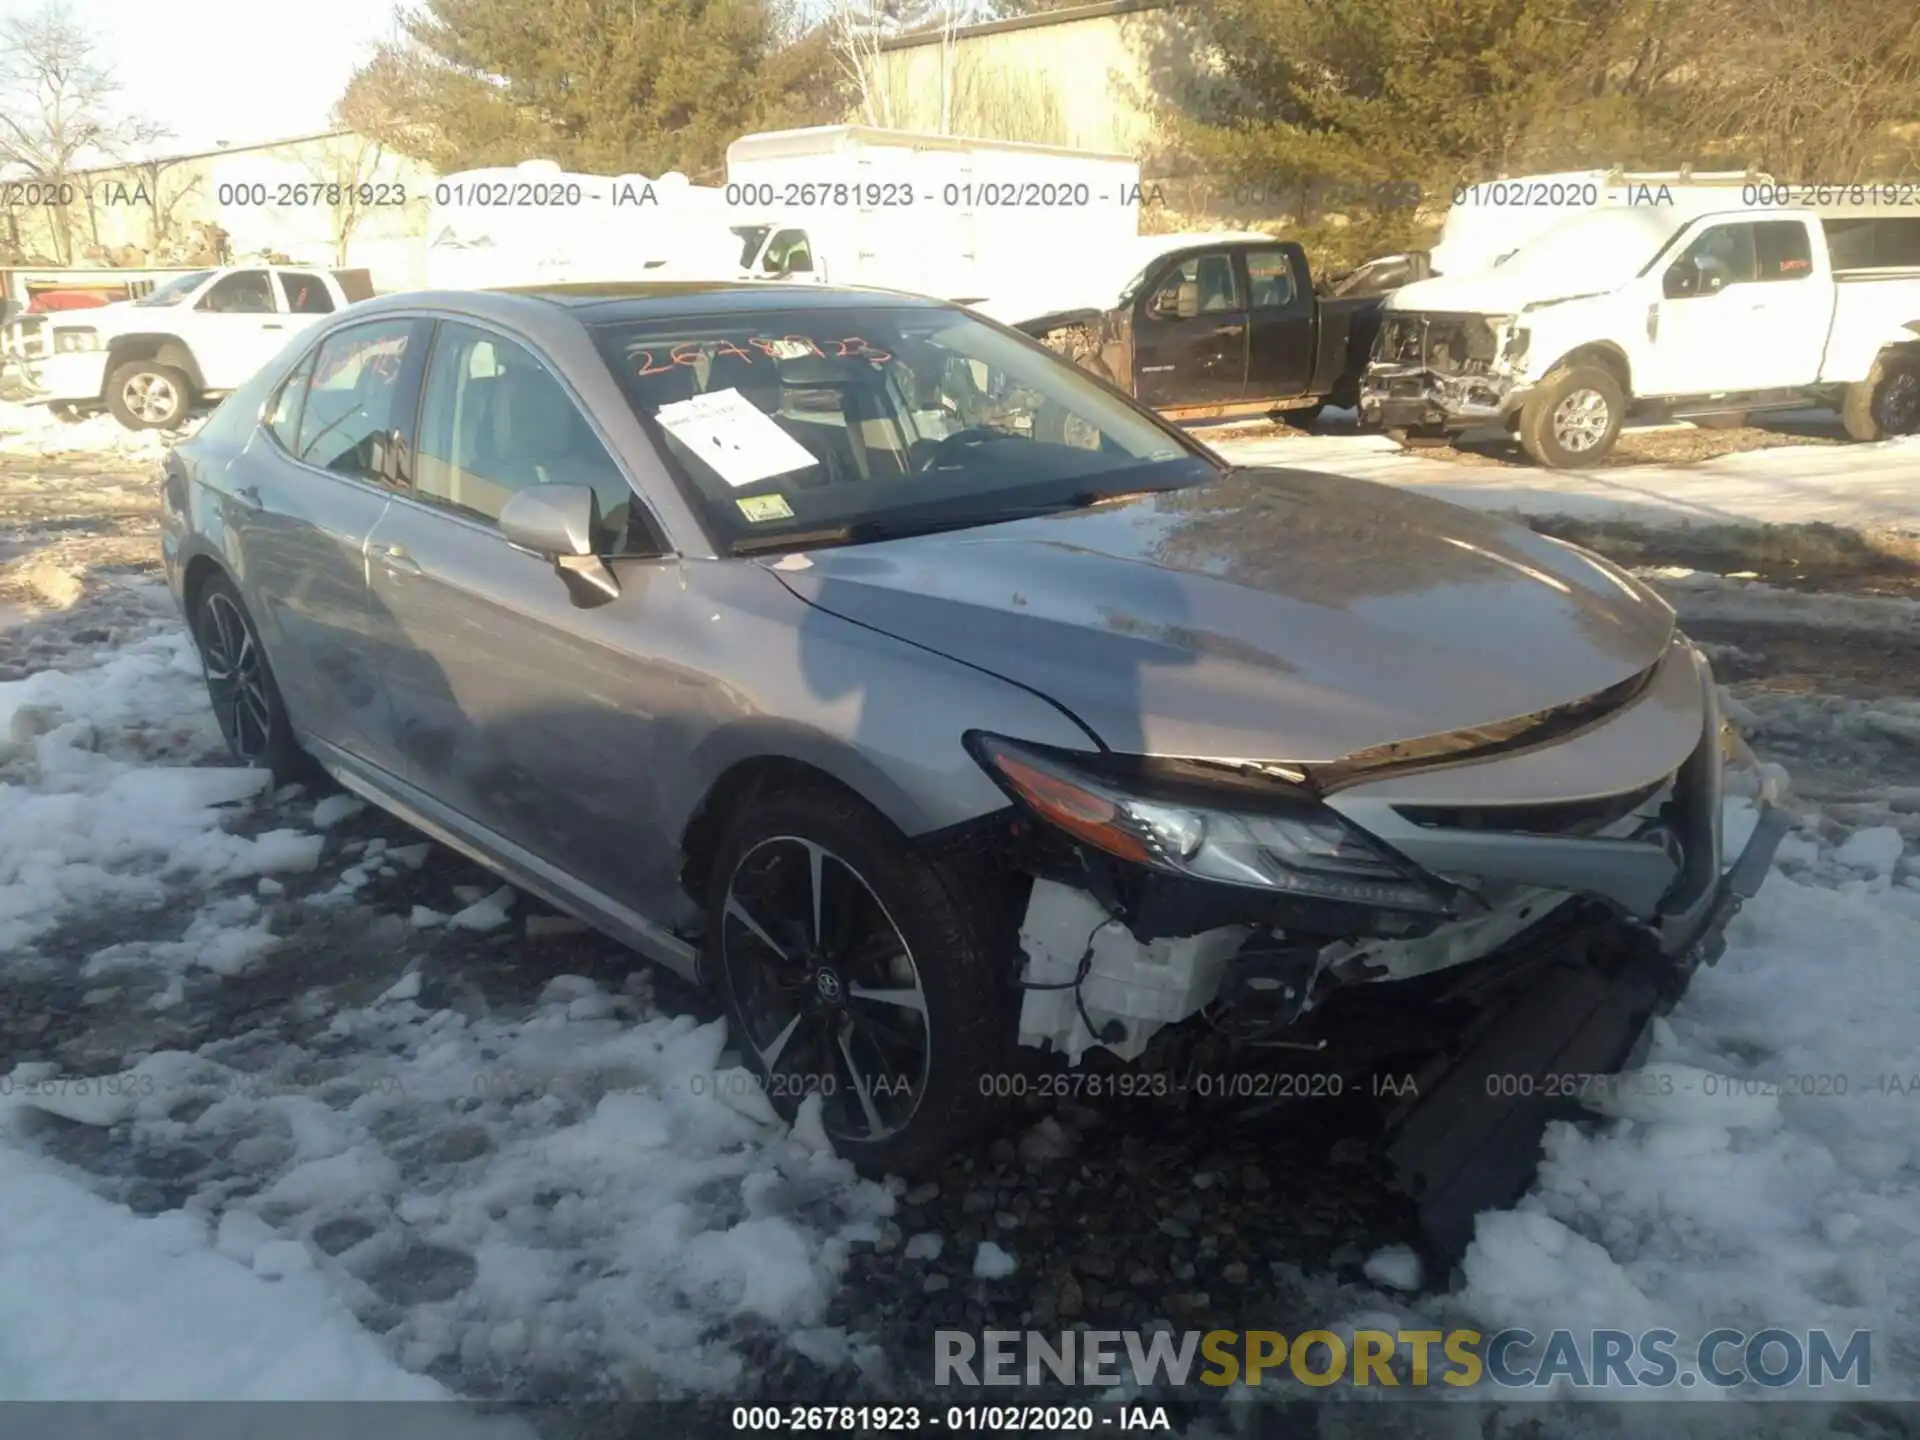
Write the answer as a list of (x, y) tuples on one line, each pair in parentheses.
[(951, 448)]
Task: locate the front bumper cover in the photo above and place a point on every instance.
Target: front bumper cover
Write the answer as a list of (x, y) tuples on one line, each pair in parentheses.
[(1411, 396)]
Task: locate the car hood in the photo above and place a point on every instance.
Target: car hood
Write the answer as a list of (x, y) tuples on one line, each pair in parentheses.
[(1267, 615), (1485, 292)]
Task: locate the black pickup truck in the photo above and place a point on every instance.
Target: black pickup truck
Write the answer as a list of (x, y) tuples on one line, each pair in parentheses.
[(1198, 326)]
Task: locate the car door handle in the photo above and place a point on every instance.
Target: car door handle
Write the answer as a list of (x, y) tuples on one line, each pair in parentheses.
[(248, 495), (396, 559), (1229, 329), (273, 327)]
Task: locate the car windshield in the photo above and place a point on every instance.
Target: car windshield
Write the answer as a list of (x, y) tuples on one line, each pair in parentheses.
[(175, 290), (834, 425)]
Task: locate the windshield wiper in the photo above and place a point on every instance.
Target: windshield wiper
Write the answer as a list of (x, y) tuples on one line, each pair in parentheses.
[(861, 532)]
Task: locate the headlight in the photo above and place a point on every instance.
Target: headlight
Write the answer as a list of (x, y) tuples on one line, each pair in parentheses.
[(1291, 847), (70, 339)]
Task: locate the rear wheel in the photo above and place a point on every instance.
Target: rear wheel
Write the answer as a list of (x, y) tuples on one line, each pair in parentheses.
[(246, 699), (1573, 419), (857, 970), (145, 395), (1886, 403)]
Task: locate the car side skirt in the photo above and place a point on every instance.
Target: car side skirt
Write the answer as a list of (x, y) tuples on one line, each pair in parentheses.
[(506, 859)]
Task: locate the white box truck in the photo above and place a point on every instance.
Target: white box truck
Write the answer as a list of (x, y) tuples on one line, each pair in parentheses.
[(952, 216), (534, 222)]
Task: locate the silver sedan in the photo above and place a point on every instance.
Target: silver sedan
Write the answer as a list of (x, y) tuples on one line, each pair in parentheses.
[(942, 707)]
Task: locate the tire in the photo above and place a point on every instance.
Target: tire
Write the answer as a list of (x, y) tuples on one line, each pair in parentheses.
[(1305, 417), (246, 699), (791, 1002), (1574, 418), (1057, 428), (1886, 403), (145, 395)]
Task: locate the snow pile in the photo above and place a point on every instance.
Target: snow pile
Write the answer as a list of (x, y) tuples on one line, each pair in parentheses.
[(101, 1304), (586, 1188), (36, 430), (1765, 1172), (88, 819), (1869, 486)]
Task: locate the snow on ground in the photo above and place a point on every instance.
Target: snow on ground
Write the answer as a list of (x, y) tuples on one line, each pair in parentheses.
[(503, 1192), (36, 430), (1764, 1169), (581, 1193), (1865, 486), (86, 1279)]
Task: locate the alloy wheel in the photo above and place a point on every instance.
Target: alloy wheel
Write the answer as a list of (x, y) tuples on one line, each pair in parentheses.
[(236, 678), (1580, 421), (1900, 404), (826, 988), (150, 397)]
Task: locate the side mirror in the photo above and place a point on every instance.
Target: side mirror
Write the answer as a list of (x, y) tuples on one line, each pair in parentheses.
[(551, 521), (560, 523), (1682, 280), (1188, 305)]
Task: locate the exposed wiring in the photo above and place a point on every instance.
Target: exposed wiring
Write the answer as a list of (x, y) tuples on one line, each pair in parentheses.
[(1081, 971)]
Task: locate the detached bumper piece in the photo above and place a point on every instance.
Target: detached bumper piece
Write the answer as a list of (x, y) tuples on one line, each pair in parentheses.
[(1578, 1010)]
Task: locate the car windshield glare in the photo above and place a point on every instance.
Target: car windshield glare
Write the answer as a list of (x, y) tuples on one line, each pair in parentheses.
[(828, 424)]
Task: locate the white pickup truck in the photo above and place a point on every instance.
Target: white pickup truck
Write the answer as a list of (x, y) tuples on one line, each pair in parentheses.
[(1637, 312), (196, 337)]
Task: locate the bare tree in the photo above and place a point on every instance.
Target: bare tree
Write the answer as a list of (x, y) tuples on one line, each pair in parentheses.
[(165, 194), (348, 170), (56, 108)]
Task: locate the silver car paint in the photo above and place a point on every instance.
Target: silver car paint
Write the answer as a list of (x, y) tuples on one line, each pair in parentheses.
[(1275, 616), (1271, 615), (586, 738)]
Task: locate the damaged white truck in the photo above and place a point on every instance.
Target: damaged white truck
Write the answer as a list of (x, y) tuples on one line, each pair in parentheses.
[(1642, 313)]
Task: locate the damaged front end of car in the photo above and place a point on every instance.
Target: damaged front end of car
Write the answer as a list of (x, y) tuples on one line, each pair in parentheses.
[(1452, 371), (1518, 899)]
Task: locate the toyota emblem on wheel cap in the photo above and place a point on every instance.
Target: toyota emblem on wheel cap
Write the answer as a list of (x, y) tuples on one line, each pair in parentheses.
[(828, 984)]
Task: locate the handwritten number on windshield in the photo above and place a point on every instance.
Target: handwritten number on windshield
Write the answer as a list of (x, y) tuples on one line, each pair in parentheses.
[(786, 347)]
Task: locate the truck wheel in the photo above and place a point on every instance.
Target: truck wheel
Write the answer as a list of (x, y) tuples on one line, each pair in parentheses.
[(144, 395), (1886, 403), (1574, 417), (855, 969), (1305, 416)]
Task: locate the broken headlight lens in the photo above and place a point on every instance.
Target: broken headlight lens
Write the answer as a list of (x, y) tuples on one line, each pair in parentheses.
[(1292, 847)]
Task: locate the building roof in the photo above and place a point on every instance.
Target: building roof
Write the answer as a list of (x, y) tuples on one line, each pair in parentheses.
[(1043, 18)]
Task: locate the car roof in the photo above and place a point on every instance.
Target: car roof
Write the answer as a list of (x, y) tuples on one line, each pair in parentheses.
[(641, 300)]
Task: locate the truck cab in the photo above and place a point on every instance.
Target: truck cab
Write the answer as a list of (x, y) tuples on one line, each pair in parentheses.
[(1216, 325), (149, 360), (1636, 313)]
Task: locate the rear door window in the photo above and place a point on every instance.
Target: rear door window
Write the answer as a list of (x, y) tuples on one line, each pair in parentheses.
[(306, 294), (1783, 250), (353, 404), (1270, 279)]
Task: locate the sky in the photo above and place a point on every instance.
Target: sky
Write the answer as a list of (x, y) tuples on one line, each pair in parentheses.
[(239, 71)]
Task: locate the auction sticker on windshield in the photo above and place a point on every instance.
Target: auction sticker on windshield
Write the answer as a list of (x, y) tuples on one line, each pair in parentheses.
[(761, 508), (732, 435)]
